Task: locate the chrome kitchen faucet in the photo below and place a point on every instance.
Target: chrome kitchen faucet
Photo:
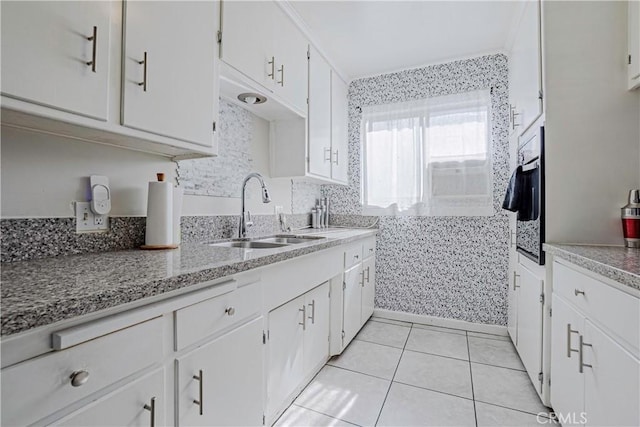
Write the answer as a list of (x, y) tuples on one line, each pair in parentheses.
[(245, 216)]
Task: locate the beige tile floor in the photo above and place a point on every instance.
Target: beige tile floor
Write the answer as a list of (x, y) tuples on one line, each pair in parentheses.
[(404, 374)]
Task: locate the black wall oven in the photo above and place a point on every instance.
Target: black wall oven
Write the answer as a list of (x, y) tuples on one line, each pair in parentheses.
[(530, 222)]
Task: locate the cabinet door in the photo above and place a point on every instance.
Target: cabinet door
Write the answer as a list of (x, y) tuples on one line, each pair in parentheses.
[(286, 364), (319, 115), (352, 314), (291, 67), (221, 383), (45, 51), (512, 305), (178, 95), (316, 337), (633, 41), (567, 384), (247, 39), (368, 288), (612, 383), (525, 78), (530, 324), (131, 405), (339, 129)]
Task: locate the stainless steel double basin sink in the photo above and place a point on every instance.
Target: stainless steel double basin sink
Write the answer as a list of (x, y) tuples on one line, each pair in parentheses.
[(269, 242)]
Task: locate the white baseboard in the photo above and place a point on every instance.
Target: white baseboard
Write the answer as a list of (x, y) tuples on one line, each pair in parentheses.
[(440, 321)]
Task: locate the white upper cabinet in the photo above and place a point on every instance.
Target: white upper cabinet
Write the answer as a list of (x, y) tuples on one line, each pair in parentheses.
[(169, 78), (260, 41), (247, 38), (525, 70), (319, 115), (290, 53), (634, 44), (78, 69), (56, 54), (339, 129)]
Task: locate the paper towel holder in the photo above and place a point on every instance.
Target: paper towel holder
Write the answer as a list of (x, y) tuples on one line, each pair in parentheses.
[(160, 177)]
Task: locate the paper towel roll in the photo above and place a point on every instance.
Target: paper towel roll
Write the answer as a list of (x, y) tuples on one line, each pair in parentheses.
[(159, 214), (177, 213)]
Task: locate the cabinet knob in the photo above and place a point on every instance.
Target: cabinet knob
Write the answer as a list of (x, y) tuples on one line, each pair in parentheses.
[(578, 292), (79, 378), (230, 311)]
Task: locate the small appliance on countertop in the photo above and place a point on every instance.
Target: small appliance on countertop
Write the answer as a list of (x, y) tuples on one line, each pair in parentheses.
[(631, 220)]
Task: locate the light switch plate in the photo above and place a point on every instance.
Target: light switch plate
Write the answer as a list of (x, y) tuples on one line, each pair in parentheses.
[(87, 221)]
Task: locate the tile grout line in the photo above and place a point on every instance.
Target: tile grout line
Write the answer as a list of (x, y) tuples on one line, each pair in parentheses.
[(473, 393), (394, 375), (358, 372), (543, 414), (322, 413), (377, 343)]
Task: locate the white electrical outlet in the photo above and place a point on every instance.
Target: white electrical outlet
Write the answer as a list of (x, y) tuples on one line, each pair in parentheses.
[(87, 221)]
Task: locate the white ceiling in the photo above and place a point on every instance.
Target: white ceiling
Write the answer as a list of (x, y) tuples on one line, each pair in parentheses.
[(366, 37)]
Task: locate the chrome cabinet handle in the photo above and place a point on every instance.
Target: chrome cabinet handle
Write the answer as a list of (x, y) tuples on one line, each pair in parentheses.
[(144, 62), (327, 151), (578, 292), (230, 311), (336, 155), (273, 68), (356, 257), (581, 363), (281, 71), (304, 317), (94, 39), (368, 274), (511, 240), (152, 408), (200, 401), (512, 117), (515, 275), (362, 275), (79, 378), (569, 332), (313, 312)]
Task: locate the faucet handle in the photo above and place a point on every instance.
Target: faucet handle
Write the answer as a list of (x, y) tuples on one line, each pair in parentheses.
[(247, 219)]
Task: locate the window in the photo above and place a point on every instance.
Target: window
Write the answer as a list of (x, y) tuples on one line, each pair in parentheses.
[(428, 157)]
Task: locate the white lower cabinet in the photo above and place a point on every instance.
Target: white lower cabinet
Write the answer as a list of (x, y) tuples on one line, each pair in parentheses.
[(140, 403), (352, 314), (595, 377), (286, 364), (220, 383), (567, 384), (298, 344), (529, 324), (316, 337), (203, 358), (368, 288)]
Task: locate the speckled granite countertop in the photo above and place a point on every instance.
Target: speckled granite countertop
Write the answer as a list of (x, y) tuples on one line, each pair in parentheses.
[(615, 262), (40, 292)]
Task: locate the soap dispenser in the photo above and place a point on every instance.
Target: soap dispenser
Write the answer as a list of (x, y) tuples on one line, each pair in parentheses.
[(631, 220)]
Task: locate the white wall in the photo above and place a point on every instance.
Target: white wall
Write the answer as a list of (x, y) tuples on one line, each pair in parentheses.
[(43, 174), (592, 121)]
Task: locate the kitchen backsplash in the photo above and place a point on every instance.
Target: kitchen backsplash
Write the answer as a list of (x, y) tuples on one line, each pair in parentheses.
[(31, 238), (222, 176), (451, 267)]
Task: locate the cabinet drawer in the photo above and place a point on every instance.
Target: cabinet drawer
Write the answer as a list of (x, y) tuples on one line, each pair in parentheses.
[(200, 320), (369, 248), (615, 310), (352, 255), (129, 406), (39, 387)]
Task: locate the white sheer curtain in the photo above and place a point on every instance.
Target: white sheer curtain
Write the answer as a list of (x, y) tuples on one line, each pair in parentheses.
[(428, 157)]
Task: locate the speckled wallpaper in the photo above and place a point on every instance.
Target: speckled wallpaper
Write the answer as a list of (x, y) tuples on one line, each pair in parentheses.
[(450, 267)]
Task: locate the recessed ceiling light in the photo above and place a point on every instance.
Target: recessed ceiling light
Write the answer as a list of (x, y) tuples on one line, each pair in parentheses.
[(252, 98)]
